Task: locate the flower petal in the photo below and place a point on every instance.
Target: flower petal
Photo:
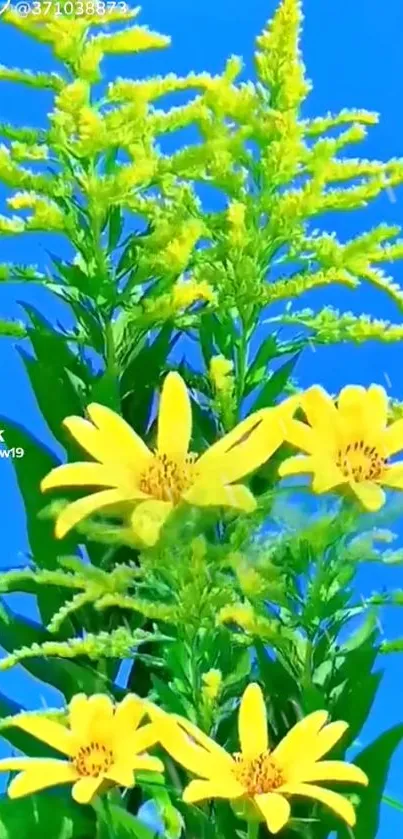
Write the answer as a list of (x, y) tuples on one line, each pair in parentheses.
[(80, 474), (218, 495), (147, 763), (129, 713), (252, 722), (144, 738), (326, 739), (78, 714), (91, 718), (392, 438), (300, 738), (174, 417), (298, 464), (393, 476), (327, 476), (352, 398), (103, 501), (203, 790), (85, 790), (371, 495), (188, 754), (148, 518), (52, 733), (14, 764), (88, 437), (355, 415), (321, 412), (100, 718), (122, 444), (42, 775), (121, 774), (301, 435), (204, 740), (275, 809), (328, 770), (245, 448), (336, 802), (376, 406)]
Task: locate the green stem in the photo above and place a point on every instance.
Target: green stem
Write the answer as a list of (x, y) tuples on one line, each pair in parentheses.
[(242, 358), (111, 365), (253, 830), (102, 810)]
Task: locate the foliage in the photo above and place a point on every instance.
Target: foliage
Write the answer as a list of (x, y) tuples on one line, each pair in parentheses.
[(221, 599)]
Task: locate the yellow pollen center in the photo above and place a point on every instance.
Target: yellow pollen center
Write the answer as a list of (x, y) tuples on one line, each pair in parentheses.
[(93, 760), (259, 774), (361, 462), (167, 479)]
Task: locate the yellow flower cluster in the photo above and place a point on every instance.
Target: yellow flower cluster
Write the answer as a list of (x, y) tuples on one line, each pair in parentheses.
[(221, 370), (105, 744), (236, 221), (46, 214), (176, 255), (183, 296), (212, 682)]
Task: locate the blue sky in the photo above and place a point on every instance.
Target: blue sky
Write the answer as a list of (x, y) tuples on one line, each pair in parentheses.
[(353, 53)]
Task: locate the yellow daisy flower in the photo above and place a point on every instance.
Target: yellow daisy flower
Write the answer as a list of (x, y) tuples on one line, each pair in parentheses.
[(348, 443), (259, 781), (104, 746), (147, 485)]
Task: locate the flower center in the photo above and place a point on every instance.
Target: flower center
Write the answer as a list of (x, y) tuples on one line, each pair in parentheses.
[(167, 479), (259, 774), (93, 760), (361, 462)]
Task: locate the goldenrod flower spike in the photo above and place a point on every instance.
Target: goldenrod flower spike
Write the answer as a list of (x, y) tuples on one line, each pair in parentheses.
[(147, 485), (348, 443), (257, 779), (104, 746)]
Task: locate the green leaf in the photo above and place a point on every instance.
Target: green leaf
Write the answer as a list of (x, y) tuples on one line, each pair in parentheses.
[(116, 823), (49, 377), (142, 376), (275, 385), (84, 310), (204, 428), (206, 338), (17, 738), (105, 389), (224, 334), (354, 685), (69, 677), (116, 223), (169, 698), (73, 274), (37, 461), (257, 370), (56, 816), (375, 761), (278, 683), (392, 802)]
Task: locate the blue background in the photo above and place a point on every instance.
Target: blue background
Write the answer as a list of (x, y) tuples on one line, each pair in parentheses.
[(354, 55)]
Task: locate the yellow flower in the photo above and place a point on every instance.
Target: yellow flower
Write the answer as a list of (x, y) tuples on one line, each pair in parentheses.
[(212, 683), (259, 781), (220, 371), (147, 485), (348, 443), (186, 294), (104, 745)]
